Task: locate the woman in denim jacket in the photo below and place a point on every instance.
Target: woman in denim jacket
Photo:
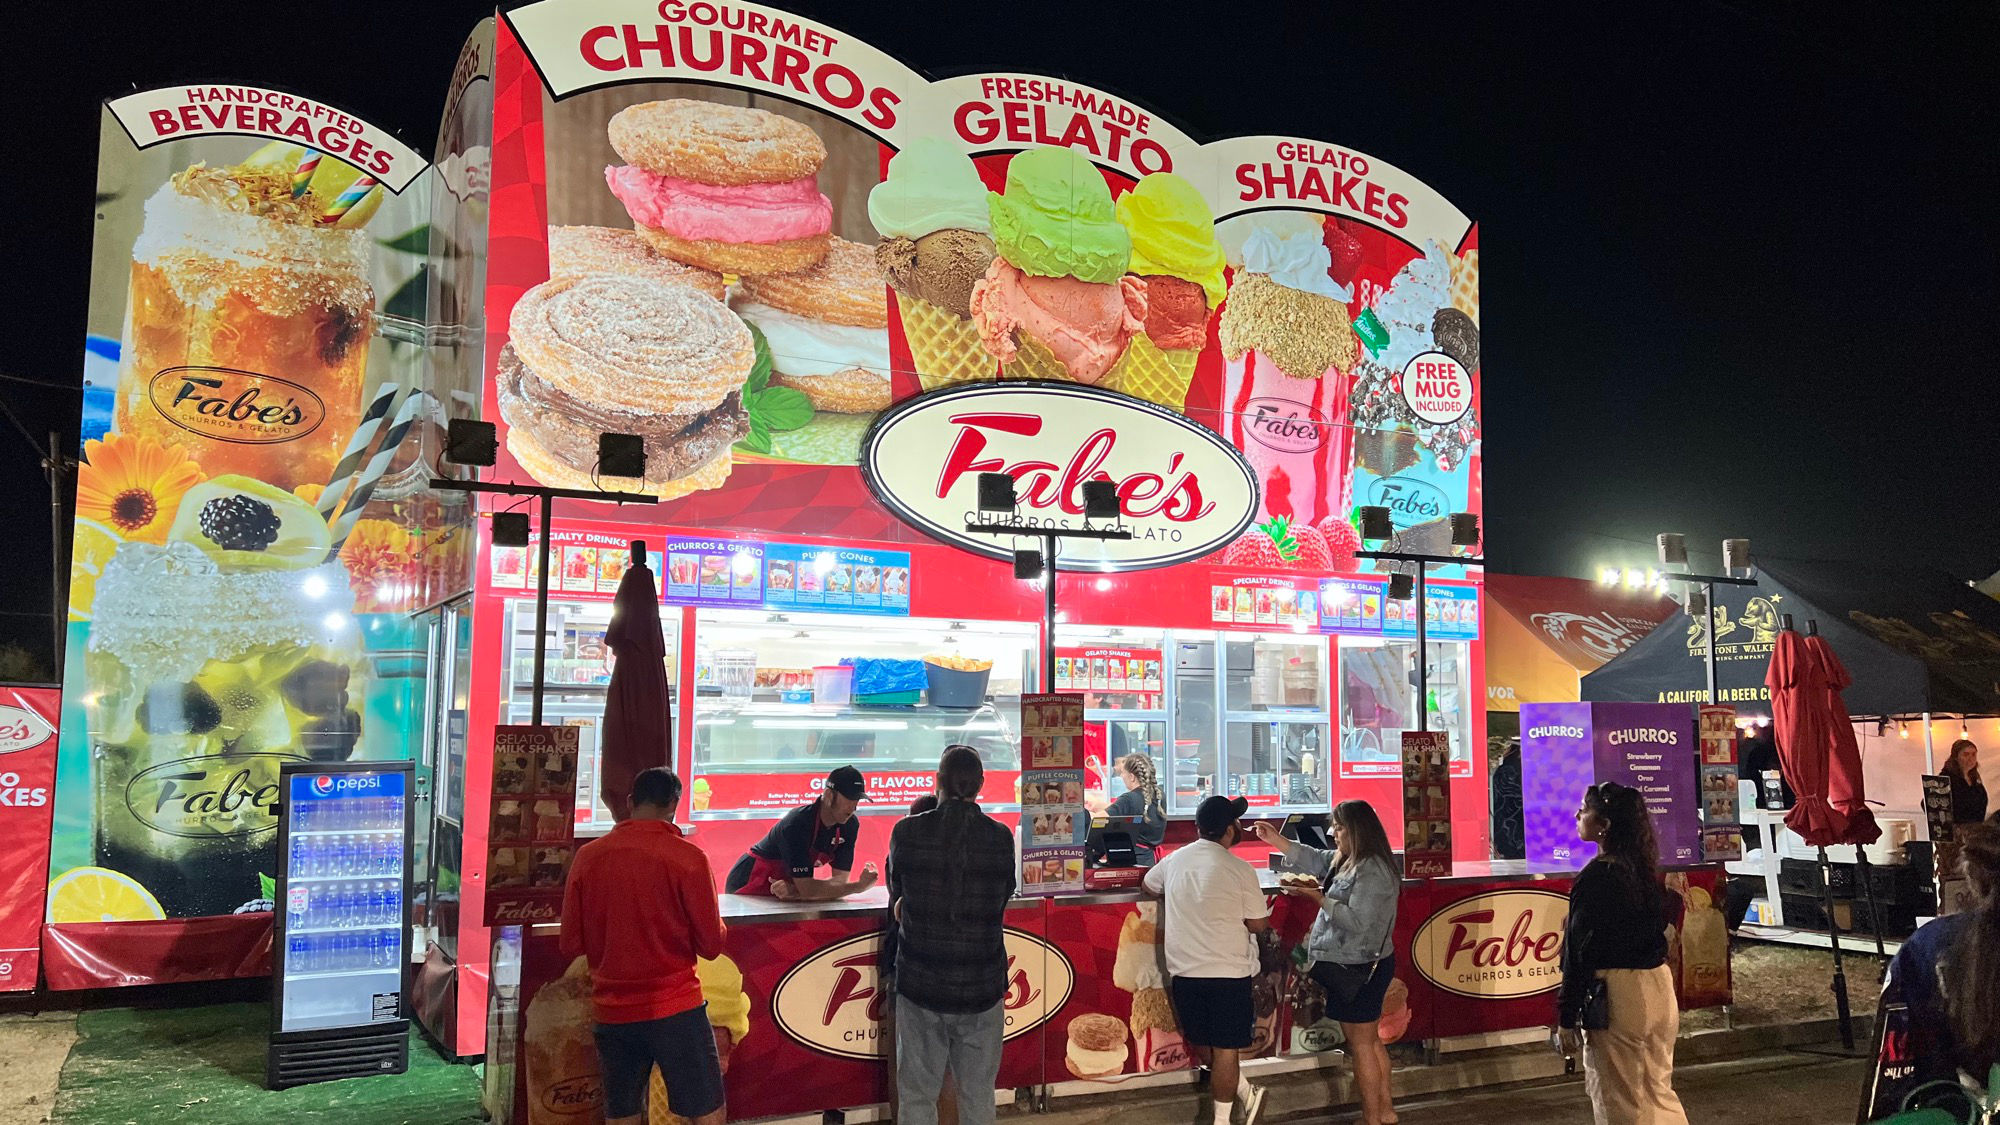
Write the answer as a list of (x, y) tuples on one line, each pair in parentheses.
[(1353, 940)]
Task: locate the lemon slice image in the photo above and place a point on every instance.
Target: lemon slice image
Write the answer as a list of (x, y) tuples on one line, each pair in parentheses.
[(93, 547), (95, 894)]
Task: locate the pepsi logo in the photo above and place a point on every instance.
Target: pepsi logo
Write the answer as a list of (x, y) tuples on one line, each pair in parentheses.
[(322, 785)]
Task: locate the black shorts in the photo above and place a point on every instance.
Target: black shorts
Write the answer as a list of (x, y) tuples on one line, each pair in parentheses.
[(1215, 1011), (1365, 1006), (681, 1045)]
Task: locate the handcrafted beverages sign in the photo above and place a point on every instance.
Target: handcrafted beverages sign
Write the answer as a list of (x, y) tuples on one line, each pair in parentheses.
[(1183, 491)]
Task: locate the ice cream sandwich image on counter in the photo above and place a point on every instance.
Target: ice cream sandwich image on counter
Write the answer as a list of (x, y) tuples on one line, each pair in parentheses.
[(827, 327), (1097, 1046), (620, 354)]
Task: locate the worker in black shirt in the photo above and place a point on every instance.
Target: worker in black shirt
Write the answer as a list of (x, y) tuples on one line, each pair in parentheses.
[(784, 864)]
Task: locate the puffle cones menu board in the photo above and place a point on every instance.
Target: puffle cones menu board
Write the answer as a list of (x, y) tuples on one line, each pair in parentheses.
[(251, 527), (741, 234)]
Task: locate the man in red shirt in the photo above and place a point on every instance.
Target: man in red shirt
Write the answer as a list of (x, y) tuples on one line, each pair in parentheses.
[(641, 907)]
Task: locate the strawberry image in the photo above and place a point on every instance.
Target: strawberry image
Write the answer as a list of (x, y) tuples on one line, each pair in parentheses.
[(1346, 251), (1314, 553), (1268, 545), (1341, 542)]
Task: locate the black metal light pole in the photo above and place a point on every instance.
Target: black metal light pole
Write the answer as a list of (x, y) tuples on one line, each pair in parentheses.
[(1375, 524), (998, 503), (548, 497)]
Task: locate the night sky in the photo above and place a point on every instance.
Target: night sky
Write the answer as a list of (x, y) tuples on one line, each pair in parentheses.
[(1738, 269)]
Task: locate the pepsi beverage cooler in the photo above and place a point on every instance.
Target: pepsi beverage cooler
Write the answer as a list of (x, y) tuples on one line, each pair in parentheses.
[(341, 959)]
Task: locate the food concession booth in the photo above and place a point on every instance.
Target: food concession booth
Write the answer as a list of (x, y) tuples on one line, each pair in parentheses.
[(1256, 337)]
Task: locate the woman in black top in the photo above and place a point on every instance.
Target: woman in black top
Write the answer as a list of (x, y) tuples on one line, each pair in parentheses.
[(1968, 791), (1617, 934), (1142, 798)]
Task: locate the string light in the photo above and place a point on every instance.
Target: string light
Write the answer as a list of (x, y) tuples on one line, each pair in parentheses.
[(1903, 729)]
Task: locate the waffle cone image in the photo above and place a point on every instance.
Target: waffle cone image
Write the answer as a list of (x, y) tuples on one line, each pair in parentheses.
[(944, 346), (1465, 284), (1033, 360), (1157, 375)]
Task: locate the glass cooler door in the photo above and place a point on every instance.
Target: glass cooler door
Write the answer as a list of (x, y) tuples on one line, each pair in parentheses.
[(577, 673)]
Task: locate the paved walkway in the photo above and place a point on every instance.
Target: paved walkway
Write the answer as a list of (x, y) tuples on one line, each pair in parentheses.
[(1796, 1088)]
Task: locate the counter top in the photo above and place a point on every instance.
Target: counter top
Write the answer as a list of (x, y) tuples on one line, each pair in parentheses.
[(875, 901)]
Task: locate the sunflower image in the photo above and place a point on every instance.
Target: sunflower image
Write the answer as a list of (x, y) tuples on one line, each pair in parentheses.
[(383, 566), (133, 485)]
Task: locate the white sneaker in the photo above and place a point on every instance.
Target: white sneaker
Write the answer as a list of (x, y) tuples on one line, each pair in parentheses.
[(1252, 1101)]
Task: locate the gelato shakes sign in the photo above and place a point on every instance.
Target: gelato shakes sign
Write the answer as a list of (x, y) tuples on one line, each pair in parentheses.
[(1183, 491)]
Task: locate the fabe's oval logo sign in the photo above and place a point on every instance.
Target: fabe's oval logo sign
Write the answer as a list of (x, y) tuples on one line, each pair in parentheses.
[(22, 729), (1498, 946), (1284, 425), (227, 404), (1184, 491), (583, 1094), (209, 797), (833, 1001), (1410, 501)]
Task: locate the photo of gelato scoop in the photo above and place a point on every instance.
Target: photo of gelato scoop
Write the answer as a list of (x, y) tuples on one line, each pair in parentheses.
[(937, 242), (1057, 302), (725, 188), (1097, 1046), (1175, 252)]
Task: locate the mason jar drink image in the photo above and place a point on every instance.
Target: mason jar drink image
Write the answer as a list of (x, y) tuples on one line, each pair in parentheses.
[(565, 1078), (250, 311), (213, 658)]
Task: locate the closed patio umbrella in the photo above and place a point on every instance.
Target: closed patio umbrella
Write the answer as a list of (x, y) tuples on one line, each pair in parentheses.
[(637, 724), (1845, 790), (1799, 712)]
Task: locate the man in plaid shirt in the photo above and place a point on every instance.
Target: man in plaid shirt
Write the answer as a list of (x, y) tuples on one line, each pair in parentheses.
[(951, 872)]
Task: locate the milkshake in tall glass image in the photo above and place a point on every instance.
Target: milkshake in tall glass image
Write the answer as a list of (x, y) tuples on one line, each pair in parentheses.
[(1288, 348), (215, 657), (246, 333), (565, 1078)]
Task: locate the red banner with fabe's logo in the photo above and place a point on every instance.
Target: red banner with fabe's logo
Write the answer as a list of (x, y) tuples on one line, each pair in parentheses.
[(27, 773)]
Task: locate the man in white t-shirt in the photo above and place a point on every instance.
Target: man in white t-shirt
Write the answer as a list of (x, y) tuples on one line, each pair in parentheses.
[(1214, 909)]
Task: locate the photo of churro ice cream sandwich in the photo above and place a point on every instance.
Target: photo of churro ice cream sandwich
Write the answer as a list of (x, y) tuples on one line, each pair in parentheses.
[(596, 355), (1097, 1047), (726, 188), (606, 251), (827, 327)]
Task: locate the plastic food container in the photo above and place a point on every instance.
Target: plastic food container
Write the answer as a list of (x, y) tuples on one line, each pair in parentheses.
[(833, 684), (952, 688), (889, 699)]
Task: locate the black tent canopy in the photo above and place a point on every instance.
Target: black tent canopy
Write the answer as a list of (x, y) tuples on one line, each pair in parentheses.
[(1916, 641)]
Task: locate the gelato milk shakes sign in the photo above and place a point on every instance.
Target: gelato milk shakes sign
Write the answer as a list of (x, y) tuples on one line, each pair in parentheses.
[(1566, 747), (1182, 490)]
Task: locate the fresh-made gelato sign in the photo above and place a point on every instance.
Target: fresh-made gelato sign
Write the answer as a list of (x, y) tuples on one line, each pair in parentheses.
[(1182, 490)]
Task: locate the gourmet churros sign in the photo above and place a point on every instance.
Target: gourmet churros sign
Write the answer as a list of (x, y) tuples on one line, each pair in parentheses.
[(239, 511), (743, 235)]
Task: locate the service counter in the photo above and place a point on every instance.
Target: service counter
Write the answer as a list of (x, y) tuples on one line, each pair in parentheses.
[(1477, 952)]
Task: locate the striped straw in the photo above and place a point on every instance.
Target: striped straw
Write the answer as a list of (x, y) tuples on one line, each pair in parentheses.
[(302, 176), (364, 485), (386, 400), (346, 200)]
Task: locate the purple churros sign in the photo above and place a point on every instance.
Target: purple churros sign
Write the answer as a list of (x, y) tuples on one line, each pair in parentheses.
[(1565, 747)]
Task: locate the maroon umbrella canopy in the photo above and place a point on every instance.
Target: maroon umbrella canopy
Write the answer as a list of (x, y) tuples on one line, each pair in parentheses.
[(1844, 787), (1799, 711), (637, 726)]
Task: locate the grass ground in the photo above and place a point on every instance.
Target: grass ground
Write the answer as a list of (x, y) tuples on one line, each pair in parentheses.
[(136, 1065)]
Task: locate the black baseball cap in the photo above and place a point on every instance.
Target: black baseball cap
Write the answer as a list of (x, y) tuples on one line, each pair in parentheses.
[(1219, 812), (848, 782)]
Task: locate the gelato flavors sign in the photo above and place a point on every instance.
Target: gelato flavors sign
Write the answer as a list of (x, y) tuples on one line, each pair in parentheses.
[(834, 1002), (1182, 490)]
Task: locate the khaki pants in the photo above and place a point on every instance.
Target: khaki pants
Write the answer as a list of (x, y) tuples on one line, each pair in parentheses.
[(1629, 1067)]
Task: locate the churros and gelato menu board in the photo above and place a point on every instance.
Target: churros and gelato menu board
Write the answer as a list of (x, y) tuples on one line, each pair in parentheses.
[(746, 234), (1054, 822), (531, 836), (1363, 607)]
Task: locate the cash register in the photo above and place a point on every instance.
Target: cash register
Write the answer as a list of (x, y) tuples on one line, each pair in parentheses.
[(1112, 860), (1314, 830)]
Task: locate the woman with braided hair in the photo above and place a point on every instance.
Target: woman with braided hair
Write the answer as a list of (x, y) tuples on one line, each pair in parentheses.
[(1143, 799)]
